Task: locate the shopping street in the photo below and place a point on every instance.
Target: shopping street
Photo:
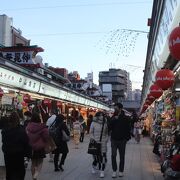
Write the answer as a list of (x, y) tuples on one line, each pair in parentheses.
[(141, 164)]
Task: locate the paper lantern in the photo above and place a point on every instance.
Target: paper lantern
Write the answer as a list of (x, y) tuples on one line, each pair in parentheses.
[(156, 91), (148, 102), (174, 43), (150, 97), (1, 92), (165, 78), (47, 102), (26, 98), (145, 106), (59, 104)]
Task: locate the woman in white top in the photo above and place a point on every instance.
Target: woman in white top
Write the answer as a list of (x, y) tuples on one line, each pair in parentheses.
[(95, 133)]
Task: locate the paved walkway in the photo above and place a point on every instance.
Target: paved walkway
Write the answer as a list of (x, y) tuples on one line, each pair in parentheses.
[(141, 164)]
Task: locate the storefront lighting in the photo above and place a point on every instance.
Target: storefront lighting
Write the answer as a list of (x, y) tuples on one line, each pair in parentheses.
[(177, 89)]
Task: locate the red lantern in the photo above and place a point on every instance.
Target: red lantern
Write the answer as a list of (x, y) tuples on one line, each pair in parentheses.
[(174, 43), (156, 91), (59, 104), (150, 97), (1, 92), (47, 102), (165, 78), (26, 98), (148, 102), (145, 106)]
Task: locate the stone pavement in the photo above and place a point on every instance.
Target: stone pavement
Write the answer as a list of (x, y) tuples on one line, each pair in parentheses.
[(141, 164)]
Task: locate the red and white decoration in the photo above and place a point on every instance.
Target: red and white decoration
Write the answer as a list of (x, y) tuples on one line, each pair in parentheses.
[(26, 98), (165, 78), (150, 97), (174, 43), (156, 91)]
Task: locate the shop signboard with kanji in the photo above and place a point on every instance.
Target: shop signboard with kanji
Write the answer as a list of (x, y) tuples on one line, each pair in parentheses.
[(20, 55)]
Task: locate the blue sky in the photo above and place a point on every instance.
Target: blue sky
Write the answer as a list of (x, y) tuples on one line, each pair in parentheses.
[(86, 35)]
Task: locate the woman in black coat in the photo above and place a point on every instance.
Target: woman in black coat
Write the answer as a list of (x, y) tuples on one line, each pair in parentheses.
[(15, 146), (62, 147)]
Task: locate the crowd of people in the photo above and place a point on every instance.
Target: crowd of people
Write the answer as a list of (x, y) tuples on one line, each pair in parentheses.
[(34, 139)]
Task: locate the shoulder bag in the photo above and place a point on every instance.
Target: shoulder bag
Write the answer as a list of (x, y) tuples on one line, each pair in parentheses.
[(94, 147)]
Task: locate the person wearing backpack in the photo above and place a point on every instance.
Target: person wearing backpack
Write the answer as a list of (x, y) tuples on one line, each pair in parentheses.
[(62, 146), (38, 136), (49, 122)]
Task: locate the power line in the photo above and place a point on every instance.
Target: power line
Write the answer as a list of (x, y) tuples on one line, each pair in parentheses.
[(67, 34), (81, 33), (77, 5)]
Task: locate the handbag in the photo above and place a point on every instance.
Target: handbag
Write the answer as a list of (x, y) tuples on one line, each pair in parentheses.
[(94, 147), (65, 137), (50, 145)]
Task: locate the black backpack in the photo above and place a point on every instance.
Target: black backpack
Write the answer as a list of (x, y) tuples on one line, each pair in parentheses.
[(55, 132)]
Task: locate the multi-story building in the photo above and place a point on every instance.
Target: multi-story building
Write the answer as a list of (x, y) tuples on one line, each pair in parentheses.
[(129, 88), (115, 84), (10, 36), (136, 95)]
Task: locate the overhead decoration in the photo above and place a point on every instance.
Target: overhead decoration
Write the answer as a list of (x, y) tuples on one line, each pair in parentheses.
[(165, 78), (120, 42), (1, 92), (156, 91), (26, 98), (174, 43)]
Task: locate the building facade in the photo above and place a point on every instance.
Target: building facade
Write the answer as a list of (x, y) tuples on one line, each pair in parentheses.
[(115, 84), (136, 95), (9, 35)]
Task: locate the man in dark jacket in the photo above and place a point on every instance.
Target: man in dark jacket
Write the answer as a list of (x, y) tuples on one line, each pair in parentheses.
[(120, 133)]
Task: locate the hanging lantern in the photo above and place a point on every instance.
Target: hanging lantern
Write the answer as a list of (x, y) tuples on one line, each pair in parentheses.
[(59, 104), (145, 106), (148, 102), (26, 98), (1, 92), (150, 97), (47, 102), (165, 78), (174, 43), (156, 91)]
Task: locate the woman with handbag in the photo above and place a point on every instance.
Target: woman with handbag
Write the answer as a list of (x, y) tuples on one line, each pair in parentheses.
[(99, 133)]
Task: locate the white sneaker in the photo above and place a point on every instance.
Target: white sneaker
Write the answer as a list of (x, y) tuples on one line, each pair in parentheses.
[(114, 174), (121, 174), (101, 174), (93, 171)]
